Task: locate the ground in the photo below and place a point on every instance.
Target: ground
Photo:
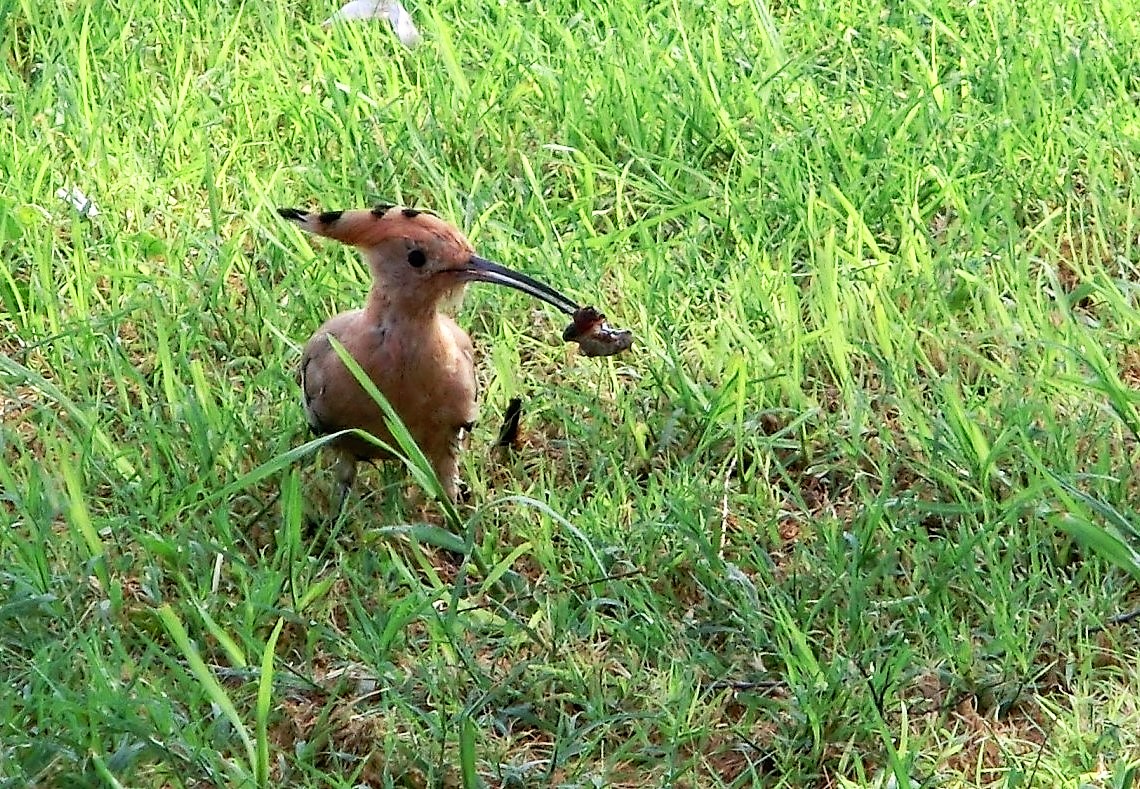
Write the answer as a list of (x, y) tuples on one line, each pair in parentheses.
[(859, 507)]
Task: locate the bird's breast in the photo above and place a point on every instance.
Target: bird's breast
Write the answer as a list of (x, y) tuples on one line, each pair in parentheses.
[(423, 370)]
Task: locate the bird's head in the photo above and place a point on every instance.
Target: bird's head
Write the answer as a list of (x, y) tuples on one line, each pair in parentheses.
[(416, 258)]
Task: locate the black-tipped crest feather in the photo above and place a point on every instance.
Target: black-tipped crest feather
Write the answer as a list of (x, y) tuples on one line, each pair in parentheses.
[(294, 214)]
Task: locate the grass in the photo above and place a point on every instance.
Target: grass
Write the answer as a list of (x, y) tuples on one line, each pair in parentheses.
[(858, 510)]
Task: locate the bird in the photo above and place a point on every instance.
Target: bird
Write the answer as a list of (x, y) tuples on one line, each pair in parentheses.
[(403, 338)]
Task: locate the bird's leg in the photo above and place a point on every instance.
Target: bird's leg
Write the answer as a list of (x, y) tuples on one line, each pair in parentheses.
[(447, 469), (345, 471), (446, 462)]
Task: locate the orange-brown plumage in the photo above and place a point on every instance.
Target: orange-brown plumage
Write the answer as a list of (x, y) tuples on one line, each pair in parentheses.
[(415, 353)]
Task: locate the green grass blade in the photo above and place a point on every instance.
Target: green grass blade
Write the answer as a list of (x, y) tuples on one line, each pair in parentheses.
[(80, 519), (209, 685), (231, 648), (264, 705), (428, 534), (467, 754)]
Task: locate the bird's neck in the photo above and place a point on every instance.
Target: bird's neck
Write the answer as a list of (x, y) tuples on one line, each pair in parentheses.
[(383, 308), (388, 305)]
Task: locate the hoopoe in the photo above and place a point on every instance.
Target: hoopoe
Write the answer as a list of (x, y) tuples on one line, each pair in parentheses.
[(414, 352)]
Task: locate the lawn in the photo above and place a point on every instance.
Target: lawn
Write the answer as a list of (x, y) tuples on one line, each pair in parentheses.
[(859, 508)]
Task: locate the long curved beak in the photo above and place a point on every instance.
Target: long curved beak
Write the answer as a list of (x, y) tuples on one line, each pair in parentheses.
[(482, 270)]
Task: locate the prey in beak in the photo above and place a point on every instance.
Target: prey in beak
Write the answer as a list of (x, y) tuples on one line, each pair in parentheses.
[(406, 343)]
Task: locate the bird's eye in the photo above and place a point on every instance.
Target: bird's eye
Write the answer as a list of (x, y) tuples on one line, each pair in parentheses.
[(417, 258)]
